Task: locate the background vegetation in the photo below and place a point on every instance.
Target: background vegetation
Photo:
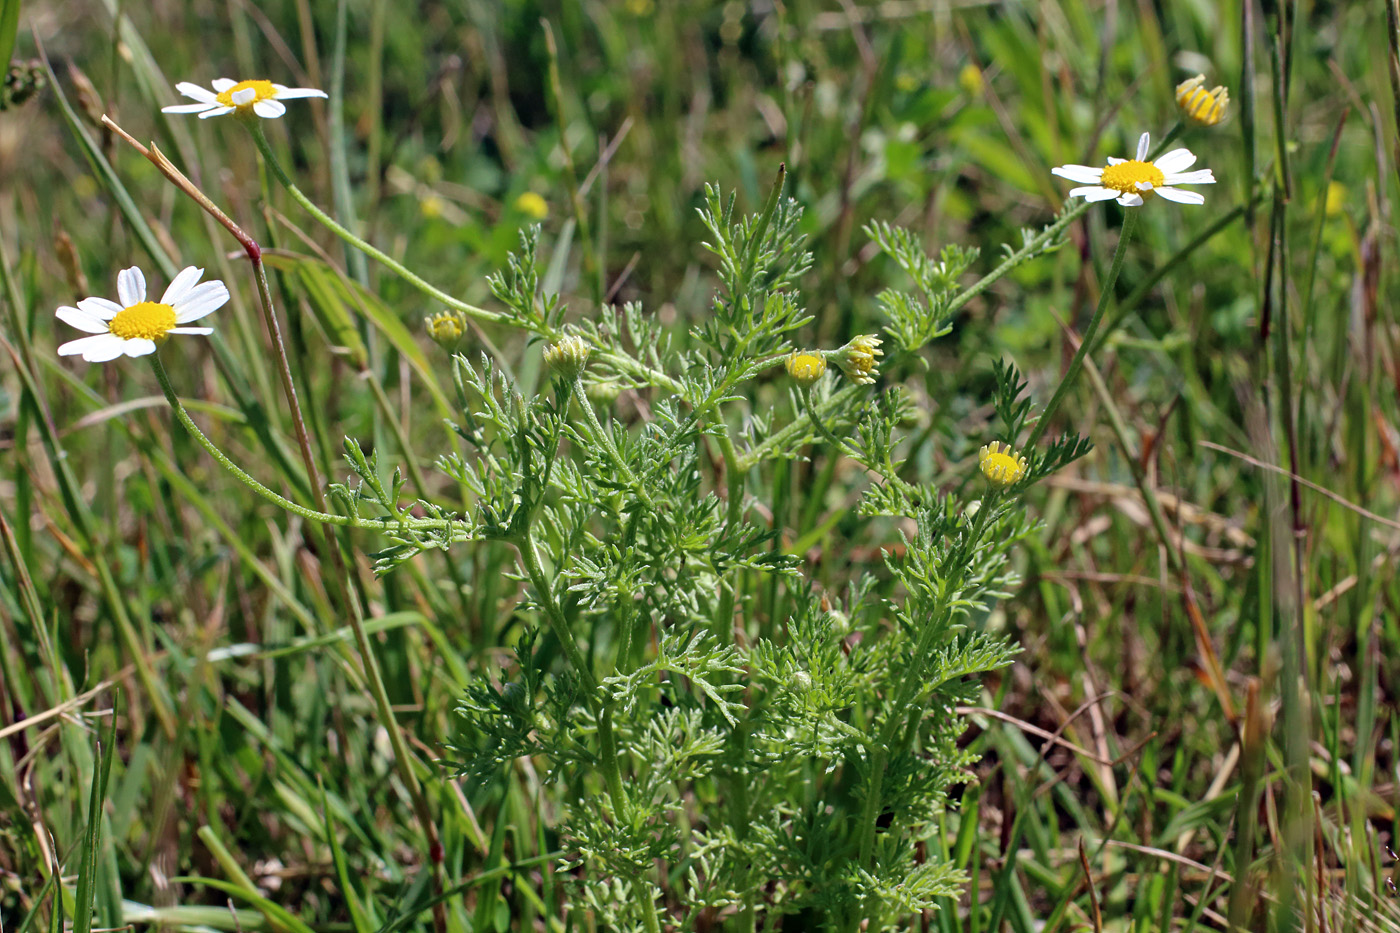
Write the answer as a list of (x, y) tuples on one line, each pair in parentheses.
[(1196, 724)]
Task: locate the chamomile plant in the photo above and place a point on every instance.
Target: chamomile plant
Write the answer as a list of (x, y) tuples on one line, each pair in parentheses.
[(695, 761)]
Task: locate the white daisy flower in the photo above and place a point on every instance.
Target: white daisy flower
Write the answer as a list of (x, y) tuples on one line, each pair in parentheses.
[(136, 326), (1132, 180), (261, 97)]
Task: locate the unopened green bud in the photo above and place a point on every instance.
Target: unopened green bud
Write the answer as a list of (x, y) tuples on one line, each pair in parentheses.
[(568, 357)]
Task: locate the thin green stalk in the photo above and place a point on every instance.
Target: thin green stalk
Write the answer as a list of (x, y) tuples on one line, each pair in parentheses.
[(325, 518), (607, 741), (1087, 341), (904, 694), (619, 360), (398, 268), (790, 434), (604, 439)]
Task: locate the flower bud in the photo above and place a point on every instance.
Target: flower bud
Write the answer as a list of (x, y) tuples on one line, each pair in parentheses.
[(446, 328), (568, 357), (1001, 465), (806, 367), (1202, 107), (858, 359)]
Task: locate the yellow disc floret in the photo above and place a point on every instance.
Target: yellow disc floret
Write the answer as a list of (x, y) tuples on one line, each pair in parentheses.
[(149, 319), (262, 90), (1001, 465), (1125, 176), (805, 366)]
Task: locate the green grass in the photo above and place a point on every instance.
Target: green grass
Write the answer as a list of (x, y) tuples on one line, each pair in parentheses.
[(142, 590)]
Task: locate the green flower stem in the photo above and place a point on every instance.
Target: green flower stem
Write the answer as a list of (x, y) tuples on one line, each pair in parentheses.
[(1130, 216), (331, 224), (903, 697), (530, 554), (607, 740), (623, 363), (794, 432), (403, 759), (1166, 141), (326, 518), (604, 439)]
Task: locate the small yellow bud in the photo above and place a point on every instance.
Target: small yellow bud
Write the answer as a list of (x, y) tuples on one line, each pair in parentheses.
[(805, 367), (858, 359), (568, 357), (1001, 465), (1202, 107), (446, 327), (971, 81), (532, 205)]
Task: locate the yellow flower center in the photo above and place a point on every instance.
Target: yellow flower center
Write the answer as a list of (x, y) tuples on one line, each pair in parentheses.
[(149, 319), (263, 90), (1001, 465), (806, 368), (1125, 176)]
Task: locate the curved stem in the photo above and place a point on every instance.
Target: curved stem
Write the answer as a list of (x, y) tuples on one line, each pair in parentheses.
[(1130, 216), (325, 518), (604, 439), (617, 359), (331, 224)]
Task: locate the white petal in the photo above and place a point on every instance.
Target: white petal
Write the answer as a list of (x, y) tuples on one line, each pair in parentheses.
[(1143, 185), (181, 284), (1114, 160), (87, 323), (1198, 177), (195, 92), (97, 349), (246, 96), (1130, 200), (199, 331), (139, 346), (288, 93), (1093, 193), (217, 112), (222, 84), (102, 308), (131, 287), (1181, 197), (1079, 173), (269, 109), (188, 108), (1178, 160), (201, 300), (1143, 142)]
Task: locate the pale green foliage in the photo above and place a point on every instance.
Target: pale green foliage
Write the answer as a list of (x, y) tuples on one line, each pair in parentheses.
[(783, 775)]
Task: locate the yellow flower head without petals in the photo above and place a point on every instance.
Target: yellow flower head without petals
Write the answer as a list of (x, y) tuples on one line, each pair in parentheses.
[(532, 205), (1001, 465), (805, 366)]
